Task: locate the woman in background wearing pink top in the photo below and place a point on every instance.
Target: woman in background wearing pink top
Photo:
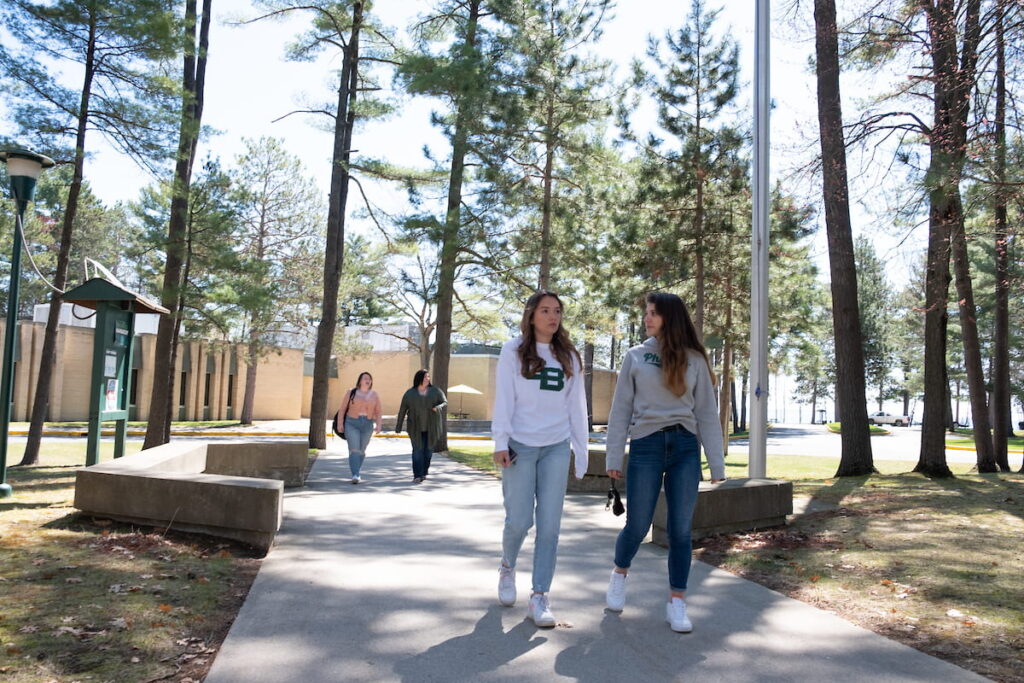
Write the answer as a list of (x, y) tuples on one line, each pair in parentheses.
[(362, 420)]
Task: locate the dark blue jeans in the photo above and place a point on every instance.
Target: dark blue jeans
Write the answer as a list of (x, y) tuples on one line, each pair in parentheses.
[(421, 454), (672, 457)]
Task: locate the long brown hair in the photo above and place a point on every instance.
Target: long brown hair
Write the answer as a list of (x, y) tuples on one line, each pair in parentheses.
[(678, 334), (352, 394), (360, 380), (561, 346)]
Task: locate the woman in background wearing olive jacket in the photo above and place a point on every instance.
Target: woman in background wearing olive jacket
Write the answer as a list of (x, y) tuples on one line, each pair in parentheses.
[(422, 404)]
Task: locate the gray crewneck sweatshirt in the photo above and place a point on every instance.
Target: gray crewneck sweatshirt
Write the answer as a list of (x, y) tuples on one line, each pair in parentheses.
[(643, 404)]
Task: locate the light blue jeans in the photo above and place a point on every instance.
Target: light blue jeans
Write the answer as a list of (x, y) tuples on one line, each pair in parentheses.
[(672, 457), (535, 482), (358, 431)]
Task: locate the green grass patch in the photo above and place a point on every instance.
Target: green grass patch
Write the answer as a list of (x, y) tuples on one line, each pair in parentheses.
[(61, 452), (791, 467), (87, 599), (477, 457), (873, 430)]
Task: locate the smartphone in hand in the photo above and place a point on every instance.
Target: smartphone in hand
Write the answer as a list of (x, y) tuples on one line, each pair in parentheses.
[(512, 456)]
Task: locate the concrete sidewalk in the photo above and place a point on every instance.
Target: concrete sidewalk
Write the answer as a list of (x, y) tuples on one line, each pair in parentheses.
[(390, 581)]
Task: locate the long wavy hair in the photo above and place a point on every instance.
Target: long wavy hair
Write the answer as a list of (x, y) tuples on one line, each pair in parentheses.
[(417, 379), (678, 334), (561, 346)]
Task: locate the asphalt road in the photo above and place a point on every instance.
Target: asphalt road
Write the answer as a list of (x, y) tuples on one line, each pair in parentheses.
[(903, 443)]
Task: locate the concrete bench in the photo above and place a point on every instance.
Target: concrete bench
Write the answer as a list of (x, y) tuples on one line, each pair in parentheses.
[(231, 489), (733, 505), (595, 479)]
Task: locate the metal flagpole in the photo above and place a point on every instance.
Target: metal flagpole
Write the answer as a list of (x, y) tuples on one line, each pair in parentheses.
[(759, 251)]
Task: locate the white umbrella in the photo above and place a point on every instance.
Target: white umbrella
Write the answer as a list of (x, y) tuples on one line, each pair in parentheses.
[(462, 389)]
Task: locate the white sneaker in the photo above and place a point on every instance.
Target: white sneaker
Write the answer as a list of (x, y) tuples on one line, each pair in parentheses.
[(356, 480), (506, 586), (675, 615), (540, 610), (616, 595)]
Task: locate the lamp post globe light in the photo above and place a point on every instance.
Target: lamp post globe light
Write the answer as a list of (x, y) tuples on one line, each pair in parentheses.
[(23, 167)]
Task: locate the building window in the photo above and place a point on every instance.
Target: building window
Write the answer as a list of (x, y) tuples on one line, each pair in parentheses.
[(183, 391), (231, 391), (133, 390), (206, 391)]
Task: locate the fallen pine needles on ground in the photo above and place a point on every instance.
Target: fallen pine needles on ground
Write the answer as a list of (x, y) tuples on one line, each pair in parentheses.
[(934, 564), (88, 599)]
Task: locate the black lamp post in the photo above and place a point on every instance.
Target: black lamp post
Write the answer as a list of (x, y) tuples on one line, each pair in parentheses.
[(23, 167)]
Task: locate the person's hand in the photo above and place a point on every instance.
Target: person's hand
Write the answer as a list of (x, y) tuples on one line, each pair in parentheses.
[(434, 409), (501, 458), (718, 481), (615, 474), (376, 430)]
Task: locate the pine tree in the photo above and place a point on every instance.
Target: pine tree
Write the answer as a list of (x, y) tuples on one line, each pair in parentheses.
[(279, 215), (195, 37), (550, 101), (856, 456), (118, 46), (875, 309), (695, 87), (463, 79)]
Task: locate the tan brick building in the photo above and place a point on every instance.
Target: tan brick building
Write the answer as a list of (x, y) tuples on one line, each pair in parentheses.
[(210, 379)]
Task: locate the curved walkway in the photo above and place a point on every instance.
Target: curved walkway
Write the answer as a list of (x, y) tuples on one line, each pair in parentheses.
[(388, 581)]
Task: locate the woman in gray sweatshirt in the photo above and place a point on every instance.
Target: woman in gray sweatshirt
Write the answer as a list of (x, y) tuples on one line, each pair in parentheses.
[(665, 403)]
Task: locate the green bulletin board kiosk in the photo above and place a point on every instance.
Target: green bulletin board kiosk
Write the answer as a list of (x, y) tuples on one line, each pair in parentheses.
[(111, 356)]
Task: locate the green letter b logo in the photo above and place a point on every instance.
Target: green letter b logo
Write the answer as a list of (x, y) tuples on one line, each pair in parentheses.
[(551, 379)]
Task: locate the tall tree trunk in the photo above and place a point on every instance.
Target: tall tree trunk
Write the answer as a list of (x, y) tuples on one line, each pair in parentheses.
[(850, 386), (451, 237), (544, 281), (743, 399), (905, 392), (48, 359), (252, 365), (1001, 427), (982, 427), (699, 287), (334, 252), (953, 83), (950, 422), (158, 428), (698, 229), (425, 353), (725, 381), (732, 402), (588, 377)]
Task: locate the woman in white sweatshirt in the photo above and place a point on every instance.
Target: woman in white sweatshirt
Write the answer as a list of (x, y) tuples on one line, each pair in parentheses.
[(539, 409), (665, 402)]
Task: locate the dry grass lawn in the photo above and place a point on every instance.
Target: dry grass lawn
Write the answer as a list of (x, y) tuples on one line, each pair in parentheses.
[(89, 600)]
